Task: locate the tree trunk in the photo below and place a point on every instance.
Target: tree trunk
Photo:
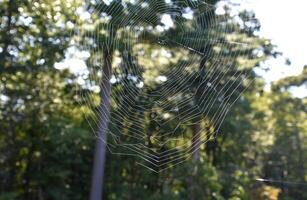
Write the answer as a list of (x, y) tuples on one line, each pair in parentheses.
[(196, 142), (7, 35), (103, 119), (196, 134), (300, 155)]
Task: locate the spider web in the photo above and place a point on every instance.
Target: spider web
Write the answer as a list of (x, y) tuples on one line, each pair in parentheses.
[(174, 76)]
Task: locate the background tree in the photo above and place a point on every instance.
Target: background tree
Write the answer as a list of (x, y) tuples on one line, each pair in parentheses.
[(40, 127)]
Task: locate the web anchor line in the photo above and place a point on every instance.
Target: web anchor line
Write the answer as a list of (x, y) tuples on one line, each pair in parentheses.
[(281, 182)]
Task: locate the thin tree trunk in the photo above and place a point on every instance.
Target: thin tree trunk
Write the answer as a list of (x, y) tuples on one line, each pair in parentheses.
[(196, 142), (103, 118), (196, 134), (300, 155), (7, 35), (192, 180)]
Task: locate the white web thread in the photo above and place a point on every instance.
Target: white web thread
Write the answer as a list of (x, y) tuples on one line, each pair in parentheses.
[(180, 153)]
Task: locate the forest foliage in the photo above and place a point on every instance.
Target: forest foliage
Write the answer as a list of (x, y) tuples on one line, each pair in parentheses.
[(47, 129)]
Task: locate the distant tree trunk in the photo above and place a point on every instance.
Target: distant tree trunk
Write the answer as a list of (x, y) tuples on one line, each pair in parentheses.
[(4, 61), (103, 119), (196, 142), (300, 155), (196, 135), (196, 129), (7, 35)]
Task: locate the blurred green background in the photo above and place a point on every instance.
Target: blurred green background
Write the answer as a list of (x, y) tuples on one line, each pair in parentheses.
[(47, 142)]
